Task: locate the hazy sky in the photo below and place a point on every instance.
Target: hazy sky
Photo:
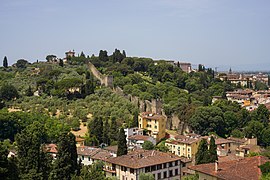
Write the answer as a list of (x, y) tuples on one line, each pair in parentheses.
[(217, 33)]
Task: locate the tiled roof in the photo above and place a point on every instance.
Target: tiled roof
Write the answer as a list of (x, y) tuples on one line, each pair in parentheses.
[(149, 115), (143, 158), (87, 150), (237, 140), (243, 169), (139, 137), (111, 148)]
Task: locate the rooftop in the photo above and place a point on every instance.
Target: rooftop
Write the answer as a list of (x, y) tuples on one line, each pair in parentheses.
[(111, 148), (150, 115), (139, 137), (143, 158), (242, 169)]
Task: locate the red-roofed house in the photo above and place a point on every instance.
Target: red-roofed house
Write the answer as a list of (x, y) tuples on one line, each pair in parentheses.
[(242, 169)]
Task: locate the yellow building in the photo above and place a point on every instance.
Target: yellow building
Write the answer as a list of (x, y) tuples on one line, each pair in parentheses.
[(184, 145), (155, 124)]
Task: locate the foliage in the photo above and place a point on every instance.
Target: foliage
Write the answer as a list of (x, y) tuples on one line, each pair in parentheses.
[(162, 147), (147, 145), (146, 176), (93, 172), (122, 143), (202, 156), (213, 150), (5, 62), (66, 163), (8, 92), (22, 63)]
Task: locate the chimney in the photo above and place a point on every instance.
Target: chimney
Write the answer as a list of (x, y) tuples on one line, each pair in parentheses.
[(216, 166)]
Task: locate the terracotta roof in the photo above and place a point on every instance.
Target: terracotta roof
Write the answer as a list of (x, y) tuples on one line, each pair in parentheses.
[(79, 139), (102, 155), (139, 137), (111, 148), (222, 141), (243, 169), (143, 158), (87, 150), (237, 140), (149, 115), (51, 148)]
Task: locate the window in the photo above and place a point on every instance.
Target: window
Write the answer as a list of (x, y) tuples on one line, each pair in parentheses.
[(164, 165), (165, 174), (183, 164), (155, 121), (155, 127), (188, 149), (123, 177), (176, 172), (153, 168), (140, 126), (147, 169), (131, 170), (159, 175), (171, 173), (159, 166), (176, 163), (170, 164), (88, 158), (82, 157)]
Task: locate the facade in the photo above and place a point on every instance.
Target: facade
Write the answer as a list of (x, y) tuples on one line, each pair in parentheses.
[(241, 169), (155, 124), (70, 54), (88, 155), (132, 132), (184, 145), (186, 67), (137, 141), (128, 167)]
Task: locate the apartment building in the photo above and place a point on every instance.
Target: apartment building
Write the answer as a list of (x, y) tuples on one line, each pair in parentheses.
[(155, 124), (129, 167), (184, 145)]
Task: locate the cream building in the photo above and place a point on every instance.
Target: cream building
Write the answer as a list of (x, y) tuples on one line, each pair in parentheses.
[(129, 167), (184, 145)]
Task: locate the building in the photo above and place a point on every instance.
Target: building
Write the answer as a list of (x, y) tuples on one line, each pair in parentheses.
[(186, 67), (137, 141), (88, 155), (112, 150), (70, 54), (184, 145), (128, 167), (241, 169), (132, 132), (155, 124)]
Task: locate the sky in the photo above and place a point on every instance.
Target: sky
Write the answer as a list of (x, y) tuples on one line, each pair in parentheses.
[(216, 33)]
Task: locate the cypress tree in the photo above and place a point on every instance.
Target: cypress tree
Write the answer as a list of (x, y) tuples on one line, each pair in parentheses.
[(202, 155), (5, 62), (122, 143), (3, 161), (61, 63), (65, 164), (135, 119), (124, 54), (113, 130), (30, 156), (213, 150), (106, 130)]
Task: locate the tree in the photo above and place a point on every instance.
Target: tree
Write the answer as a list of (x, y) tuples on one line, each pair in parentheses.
[(263, 114), (66, 164), (8, 92), (146, 176), (265, 168), (21, 63), (61, 63), (135, 119), (266, 136), (212, 150), (106, 131), (29, 91), (122, 143), (113, 130), (147, 145), (33, 164), (202, 155), (3, 161), (5, 62)]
